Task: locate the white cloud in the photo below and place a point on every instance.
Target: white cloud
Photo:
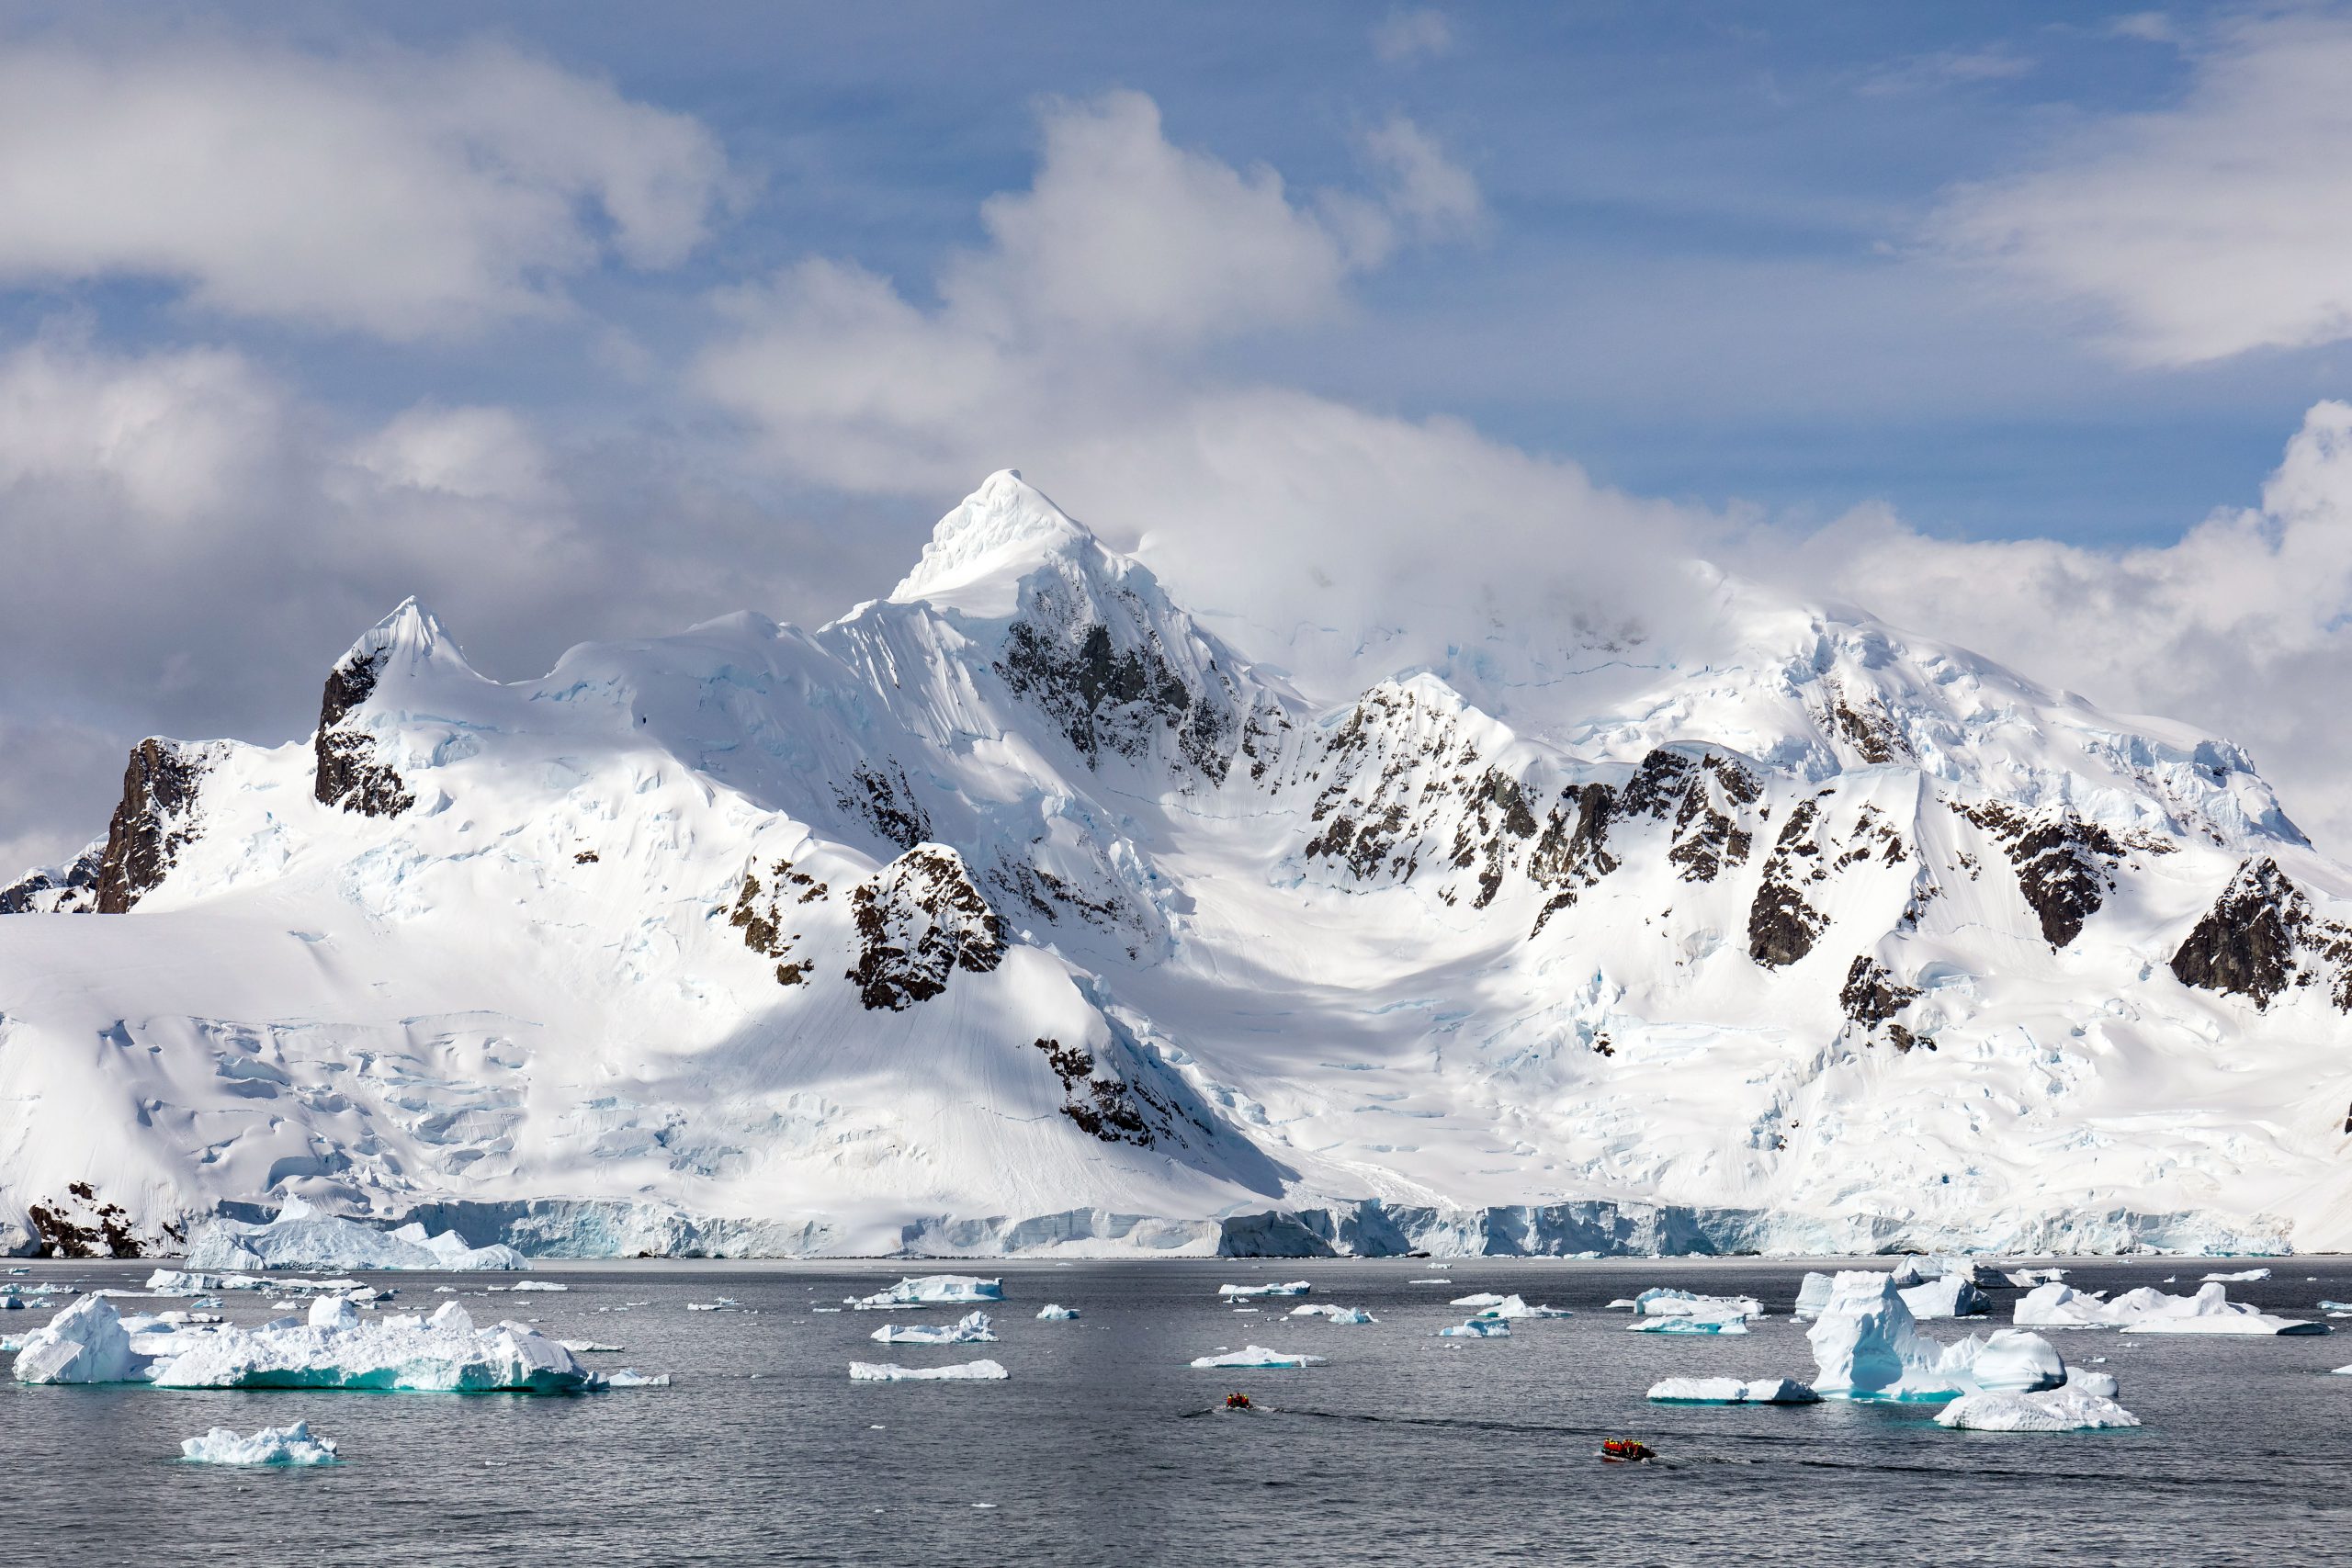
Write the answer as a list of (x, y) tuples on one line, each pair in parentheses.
[(2243, 627), (2200, 232), (395, 193), (1923, 72), (1436, 196), (1403, 36), (2148, 26)]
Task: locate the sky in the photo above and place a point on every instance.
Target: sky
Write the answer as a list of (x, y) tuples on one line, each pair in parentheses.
[(2021, 325)]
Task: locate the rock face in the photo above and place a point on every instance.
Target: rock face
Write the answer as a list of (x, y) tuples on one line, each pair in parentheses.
[(155, 819), (2261, 937), (919, 919), (60, 890), (349, 775)]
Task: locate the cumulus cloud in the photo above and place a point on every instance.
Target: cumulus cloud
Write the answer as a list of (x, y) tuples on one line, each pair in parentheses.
[(1405, 36), (2199, 232), (1074, 346), (391, 192), (2243, 627)]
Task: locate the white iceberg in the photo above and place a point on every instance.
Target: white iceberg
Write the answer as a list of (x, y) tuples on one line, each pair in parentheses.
[(1053, 1313), (589, 1347), (1334, 1314), (1690, 1326), (1477, 1328), (85, 1343), (271, 1445), (2102, 1384), (1516, 1307), (1812, 1294), (2058, 1410), (1731, 1391), (1248, 1293), (927, 1289), (2008, 1360), (1258, 1357), (2150, 1310), (1484, 1299), (1951, 1296), (520, 1285), (2026, 1279), (963, 1371), (1685, 1304), (629, 1377), (972, 1328), (302, 1238), (179, 1283), (2243, 1277), (1866, 1345)]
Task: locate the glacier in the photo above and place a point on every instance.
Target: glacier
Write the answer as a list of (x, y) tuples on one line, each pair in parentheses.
[(1025, 910)]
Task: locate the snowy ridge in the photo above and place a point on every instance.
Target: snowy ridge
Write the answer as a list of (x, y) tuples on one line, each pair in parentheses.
[(1019, 912)]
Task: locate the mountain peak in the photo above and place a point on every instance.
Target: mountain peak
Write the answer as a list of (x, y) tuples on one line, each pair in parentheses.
[(980, 551), (407, 642)]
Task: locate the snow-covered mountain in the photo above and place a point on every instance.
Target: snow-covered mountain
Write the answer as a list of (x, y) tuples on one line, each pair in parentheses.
[(1019, 910)]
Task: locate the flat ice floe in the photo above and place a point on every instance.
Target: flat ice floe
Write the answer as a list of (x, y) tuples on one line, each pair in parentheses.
[(301, 1237), (930, 1289), (1258, 1357), (1477, 1328), (1515, 1308), (2243, 1277), (333, 1348), (2058, 1410), (1050, 1312), (271, 1445), (972, 1328), (1733, 1391), (1339, 1315), (1690, 1326), (963, 1371), (1249, 1292), (1685, 1304)]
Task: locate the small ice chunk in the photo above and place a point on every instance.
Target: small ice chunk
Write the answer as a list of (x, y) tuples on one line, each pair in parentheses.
[(629, 1377), (1242, 1293), (963, 1371), (1483, 1299), (2058, 1410), (1733, 1391), (1477, 1328), (1260, 1358), (271, 1445), (333, 1312), (1515, 1307), (1690, 1326), (589, 1347), (972, 1328), (1334, 1314), (1949, 1296), (537, 1285), (1437, 1282), (2243, 1277), (1051, 1312), (2102, 1384), (1686, 1303)]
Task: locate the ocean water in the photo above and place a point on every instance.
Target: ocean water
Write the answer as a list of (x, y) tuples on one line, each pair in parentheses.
[(1105, 1448)]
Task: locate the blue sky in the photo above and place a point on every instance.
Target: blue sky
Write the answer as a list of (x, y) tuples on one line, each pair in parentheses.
[(728, 314)]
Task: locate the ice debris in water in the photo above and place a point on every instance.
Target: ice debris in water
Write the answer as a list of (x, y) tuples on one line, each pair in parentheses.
[(2243, 1277), (333, 1348), (537, 1285), (1731, 1391), (301, 1237), (271, 1445), (972, 1328), (1052, 1313), (1483, 1299), (1515, 1307), (1690, 1326), (1239, 1292), (1257, 1356), (930, 1289), (1685, 1304), (965, 1372), (629, 1377), (2058, 1410), (589, 1347), (1334, 1314), (2150, 1310), (1477, 1328)]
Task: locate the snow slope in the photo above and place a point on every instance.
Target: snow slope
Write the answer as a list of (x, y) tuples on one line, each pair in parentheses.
[(1019, 911)]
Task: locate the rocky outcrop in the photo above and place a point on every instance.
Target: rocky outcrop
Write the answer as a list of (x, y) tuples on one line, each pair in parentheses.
[(2065, 866), (763, 910), (919, 920), (83, 1224), (2262, 938), (1102, 1107), (59, 890), (884, 799), (349, 775), (155, 819), (1781, 926), (1118, 690)]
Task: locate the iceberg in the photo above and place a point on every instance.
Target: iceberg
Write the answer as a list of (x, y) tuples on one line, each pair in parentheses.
[(1335, 1314), (1516, 1307), (1684, 1303), (1690, 1326), (1731, 1391), (521, 1285), (963, 1371), (589, 1347), (1866, 1344), (271, 1445), (1484, 1299), (2008, 1360), (2102, 1384), (927, 1289), (1951, 1296), (2150, 1310), (1249, 1292), (2243, 1277), (1260, 1358), (1477, 1328), (629, 1377), (1812, 1294), (302, 1238), (972, 1328), (1052, 1314), (2026, 1279), (2058, 1410), (85, 1343)]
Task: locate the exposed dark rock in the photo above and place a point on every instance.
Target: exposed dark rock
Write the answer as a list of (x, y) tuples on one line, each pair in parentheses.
[(586, 857), (919, 919), (886, 802), (2261, 937), (1869, 728), (1572, 854), (759, 915), (1782, 927), (154, 821), (348, 774), (1495, 812), (81, 1225), (1707, 834), (73, 891), (1115, 694), (1871, 996), (2065, 866), (1103, 1107)]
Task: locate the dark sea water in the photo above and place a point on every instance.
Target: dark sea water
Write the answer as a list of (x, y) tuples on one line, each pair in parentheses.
[(1104, 1447)]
